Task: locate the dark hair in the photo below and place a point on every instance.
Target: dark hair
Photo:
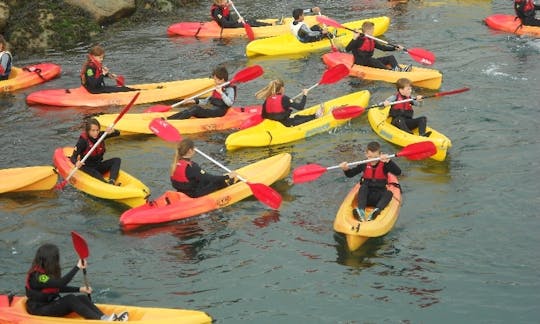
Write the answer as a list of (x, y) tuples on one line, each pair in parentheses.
[(402, 83), (89, 123), (221, 73), (48, 259), (373, 146), (3, 42), (184, 146), (296, 13)]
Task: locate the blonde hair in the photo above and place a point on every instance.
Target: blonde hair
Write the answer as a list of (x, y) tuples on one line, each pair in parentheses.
[(273, 88), (181, 149), (368, 25)]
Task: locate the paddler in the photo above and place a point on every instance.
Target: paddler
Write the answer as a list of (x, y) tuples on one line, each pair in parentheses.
[(221, 13)]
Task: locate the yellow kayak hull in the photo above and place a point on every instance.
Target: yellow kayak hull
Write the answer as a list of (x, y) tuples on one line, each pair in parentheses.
[(288, 44), (16, 313), (28, 179), (357, 232), (379, 121), (271, 132), (131, 192), (420, 77)]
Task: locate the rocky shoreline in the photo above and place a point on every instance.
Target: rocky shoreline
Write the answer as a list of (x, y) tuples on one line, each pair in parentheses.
[(35, 26)]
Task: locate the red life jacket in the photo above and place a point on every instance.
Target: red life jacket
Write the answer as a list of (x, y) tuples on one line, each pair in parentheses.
[(273, 104), (404, 105), (43, 290), (374, 176), (91, 63), (179, 173), (368, 45), (99, 151), (524, 8), (225, 11)]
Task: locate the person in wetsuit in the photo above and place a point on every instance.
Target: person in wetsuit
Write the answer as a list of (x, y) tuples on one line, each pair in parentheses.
[(93, 74), (302, 31), (5, 59), (526, 12), (221, 13)]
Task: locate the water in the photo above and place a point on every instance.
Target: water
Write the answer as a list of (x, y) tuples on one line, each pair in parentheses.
[(465, 248)]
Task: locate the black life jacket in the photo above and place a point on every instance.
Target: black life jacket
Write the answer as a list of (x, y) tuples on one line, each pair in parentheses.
[(374, 176), (404, 105), (367, 46), (273, 104), (99, 151)]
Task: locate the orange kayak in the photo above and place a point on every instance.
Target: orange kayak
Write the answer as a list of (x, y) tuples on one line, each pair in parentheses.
[(131, 191), (212, 29), (357, 232), (511, 24), (14, 312), (420, 77), (138, 123), (28, 179), (174, 205), (151, 92), (30, 75)]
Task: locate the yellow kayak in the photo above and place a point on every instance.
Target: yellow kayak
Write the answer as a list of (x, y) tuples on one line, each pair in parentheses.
[(420, 77), (212, 29), (288, 44), (150, 92), (28, 179), (30, 75), (380, 122), (131, 191), (357, 232), (15, 313), (271, 132)]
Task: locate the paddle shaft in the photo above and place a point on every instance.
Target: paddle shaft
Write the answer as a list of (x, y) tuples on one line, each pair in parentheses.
[(218, 163), (302, 93), (359, 162), (438, 94), (199, 94)]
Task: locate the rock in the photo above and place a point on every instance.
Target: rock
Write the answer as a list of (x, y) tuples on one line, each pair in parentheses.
[(106, 11), (4, 15)]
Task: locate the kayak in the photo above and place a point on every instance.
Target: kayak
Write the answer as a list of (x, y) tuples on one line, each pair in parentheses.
[(151, 92), (357, 232), (14, 312), (420, 77), (212, 29), (138, 123), (511, 24), (172, 205), (287, 44), (131, 191), (30, 75), (271, 132), (28, 179), (379, 121)]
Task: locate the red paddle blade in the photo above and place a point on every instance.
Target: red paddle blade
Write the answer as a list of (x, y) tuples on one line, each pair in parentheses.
[(251, 121), (308, 172), (348, 112), (120, 81), (421, 55), (61, 185), (418, 151), (334, 74), (327, 21), (248, 74), (164, 130), (158, 108), (249, 31), (451, 92), (266, 195), (80, 246)]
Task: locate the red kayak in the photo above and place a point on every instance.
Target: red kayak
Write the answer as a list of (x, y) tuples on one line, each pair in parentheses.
[(511, 24)]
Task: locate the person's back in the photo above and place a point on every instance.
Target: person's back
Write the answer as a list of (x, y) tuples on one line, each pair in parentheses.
[(526, 12), (5, 60)]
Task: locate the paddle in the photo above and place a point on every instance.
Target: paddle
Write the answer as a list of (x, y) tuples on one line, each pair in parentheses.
[(120, 80), (247, 27), (420, 55), (331, 75), (80, 246), (416, 151), (332, 45), (352, 111), (262, 192), (247, 74), (62, 184)]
